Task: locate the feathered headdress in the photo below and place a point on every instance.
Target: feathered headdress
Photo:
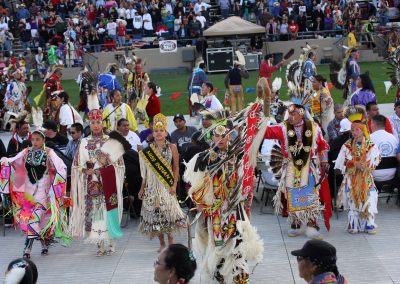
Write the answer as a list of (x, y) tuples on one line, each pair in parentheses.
[(111, 66), (358, 115), (21, 118), (393, 61)]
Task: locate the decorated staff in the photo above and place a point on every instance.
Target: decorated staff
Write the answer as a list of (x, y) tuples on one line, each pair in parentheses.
[(97, 182), (36, 182)]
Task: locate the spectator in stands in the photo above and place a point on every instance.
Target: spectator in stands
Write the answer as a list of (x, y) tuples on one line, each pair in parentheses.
[(259, 8), (365, 91), (333, 128), (383, 9), (112, 29), (22, 12), (284, 30), (147, 24), (200, 18), (121, 33), (76, 132), (318, 13), (328, 22), (177, 24), (351, 38), (264, 18), (372, 111), (293, 30), (302, 22), (199, 5), (387, 144), (395, 120), (271, 29), (50, 130), (153, 106), (133, 139), (225, 6), (182, 136), (169, 22)]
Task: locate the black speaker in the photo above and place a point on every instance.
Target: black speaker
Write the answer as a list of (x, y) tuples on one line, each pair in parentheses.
[(219, 59)]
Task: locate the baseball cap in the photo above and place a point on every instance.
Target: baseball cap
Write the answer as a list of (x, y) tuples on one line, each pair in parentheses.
[(317, 250), (345, 125), (180, 116), (397, 104)]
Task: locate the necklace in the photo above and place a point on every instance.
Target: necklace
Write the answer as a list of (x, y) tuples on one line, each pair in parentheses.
[(37, 157), (163, 150)]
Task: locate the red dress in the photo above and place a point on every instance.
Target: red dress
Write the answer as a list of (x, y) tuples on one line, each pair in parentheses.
[(153, 106)]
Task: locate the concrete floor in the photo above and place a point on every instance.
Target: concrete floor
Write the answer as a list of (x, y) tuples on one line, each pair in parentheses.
[(362, 258)]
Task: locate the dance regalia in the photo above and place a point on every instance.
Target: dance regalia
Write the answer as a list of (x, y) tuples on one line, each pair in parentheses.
[(112, 115), (161, 213), (303, 148), (221, 185), (97, 207), (15, 93), (358, 192), (309, 69), (36, 182), (322, 107), (85, 89)]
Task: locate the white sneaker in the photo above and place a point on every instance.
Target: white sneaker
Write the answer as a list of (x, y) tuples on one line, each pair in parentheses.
[(313, 233), (294, 232)]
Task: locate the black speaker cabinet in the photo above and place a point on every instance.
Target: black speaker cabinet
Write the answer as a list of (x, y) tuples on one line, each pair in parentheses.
[(219, 59)]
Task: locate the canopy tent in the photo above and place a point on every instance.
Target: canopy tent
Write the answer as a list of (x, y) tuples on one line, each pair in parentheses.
[(233, 26)]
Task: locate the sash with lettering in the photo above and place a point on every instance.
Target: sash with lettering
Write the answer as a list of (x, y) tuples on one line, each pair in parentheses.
[(161, 168)]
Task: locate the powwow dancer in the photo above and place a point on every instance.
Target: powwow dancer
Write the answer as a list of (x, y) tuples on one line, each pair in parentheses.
[(16, 92), (357, 160), (96, 187), (221, 182), (300, 161), (36, 182), (159, 167)]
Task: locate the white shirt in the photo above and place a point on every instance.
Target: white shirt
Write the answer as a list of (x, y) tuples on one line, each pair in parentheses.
[(177, 24), (212, 103), (122, 13), (147, 25), (387, 144), (197, 7), (137, 22), (66, 116), (134, 140), (202, 20), (130, 13), (112, 28)]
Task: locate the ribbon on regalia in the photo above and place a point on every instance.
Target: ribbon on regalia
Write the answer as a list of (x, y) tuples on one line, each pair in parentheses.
[(108, 178)]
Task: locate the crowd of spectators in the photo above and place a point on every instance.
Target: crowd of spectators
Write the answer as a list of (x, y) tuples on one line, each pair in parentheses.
[(98, 25)]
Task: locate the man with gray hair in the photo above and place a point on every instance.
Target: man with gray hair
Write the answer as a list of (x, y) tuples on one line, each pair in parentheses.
[(334, 126)]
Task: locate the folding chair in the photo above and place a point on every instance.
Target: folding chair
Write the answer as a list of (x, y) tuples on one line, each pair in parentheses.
[(267, 188), (126, 213)]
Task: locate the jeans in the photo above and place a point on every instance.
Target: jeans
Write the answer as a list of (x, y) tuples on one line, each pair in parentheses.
[(121, 40), (383, 20), (25, 45), (225, 13)]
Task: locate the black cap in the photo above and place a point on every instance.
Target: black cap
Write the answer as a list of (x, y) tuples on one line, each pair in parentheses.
[(317, 250), (50, 125), (180, 116), (397, 104)]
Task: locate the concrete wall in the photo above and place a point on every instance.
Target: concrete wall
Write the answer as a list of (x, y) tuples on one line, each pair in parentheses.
[(155, 61)]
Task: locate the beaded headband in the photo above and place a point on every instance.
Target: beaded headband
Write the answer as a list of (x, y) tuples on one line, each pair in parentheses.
[(95, 114), (160, 121), (297, 108)]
